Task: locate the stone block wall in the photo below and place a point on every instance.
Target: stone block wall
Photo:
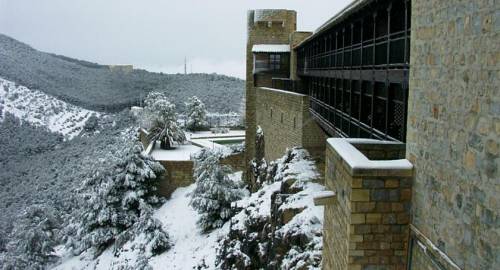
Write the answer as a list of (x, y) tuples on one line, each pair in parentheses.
[(367, 227), (236, 161), (179, 174), (272, 26), (143, 138), (285, 119), (453, 136)]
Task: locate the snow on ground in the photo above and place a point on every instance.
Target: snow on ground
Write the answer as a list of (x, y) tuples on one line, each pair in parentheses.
[(209, 134), (207, 139), (179, 153), (42, 110), (190, 247)]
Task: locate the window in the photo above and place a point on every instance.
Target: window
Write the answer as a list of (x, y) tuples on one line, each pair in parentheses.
[(274, 61)]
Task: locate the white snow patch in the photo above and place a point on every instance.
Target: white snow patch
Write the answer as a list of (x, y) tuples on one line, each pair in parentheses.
[(179, 153), (41, 109), (190, 247), (356, 160), (209, 134), (278, 48)]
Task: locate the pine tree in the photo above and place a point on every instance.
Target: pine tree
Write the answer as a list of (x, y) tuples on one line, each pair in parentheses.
[(214, 191), (196, 114), (33, 239), (117, 203), (160, 119)]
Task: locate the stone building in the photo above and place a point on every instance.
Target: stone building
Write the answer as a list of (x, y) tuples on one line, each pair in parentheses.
[(399, 101)]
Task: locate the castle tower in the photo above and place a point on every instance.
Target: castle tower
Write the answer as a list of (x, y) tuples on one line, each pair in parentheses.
[(268, 44)]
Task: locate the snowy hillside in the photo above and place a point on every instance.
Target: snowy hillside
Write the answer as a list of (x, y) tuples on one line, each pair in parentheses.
[(98, 87), (226, 247), (189, 248), (40, 109)]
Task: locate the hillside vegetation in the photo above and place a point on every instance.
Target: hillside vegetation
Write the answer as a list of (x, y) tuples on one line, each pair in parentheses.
[(96, 87)]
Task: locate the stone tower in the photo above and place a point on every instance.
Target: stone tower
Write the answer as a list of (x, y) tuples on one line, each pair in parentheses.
[(265, 26)]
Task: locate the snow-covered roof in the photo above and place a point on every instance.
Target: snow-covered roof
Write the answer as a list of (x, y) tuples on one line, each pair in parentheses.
[(360, 163), (278, 48)]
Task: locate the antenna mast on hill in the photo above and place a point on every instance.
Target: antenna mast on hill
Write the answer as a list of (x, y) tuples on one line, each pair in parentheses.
[(185, 66)]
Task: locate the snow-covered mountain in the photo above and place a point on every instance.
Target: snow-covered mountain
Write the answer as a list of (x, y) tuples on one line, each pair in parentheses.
[(41, 109), (98, 87)]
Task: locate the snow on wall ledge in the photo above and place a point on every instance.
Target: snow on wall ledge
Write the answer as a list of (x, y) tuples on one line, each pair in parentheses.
[(358, 162), (41, 109), (276, 48)]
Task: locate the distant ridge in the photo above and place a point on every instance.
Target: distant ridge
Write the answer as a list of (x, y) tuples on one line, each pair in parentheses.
[(97, 87)]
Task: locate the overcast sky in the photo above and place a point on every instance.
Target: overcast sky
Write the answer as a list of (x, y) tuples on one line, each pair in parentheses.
[(152, 34)]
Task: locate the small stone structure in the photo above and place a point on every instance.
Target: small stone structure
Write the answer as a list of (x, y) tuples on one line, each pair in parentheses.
[(180, 172), (367, 225)]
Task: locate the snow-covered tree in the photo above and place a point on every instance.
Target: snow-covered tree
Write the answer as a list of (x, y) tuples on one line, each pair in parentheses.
[(33, 239), (92, 123), (215, 190), (258, 165), (160, 119), (196, 113), (117, 203)]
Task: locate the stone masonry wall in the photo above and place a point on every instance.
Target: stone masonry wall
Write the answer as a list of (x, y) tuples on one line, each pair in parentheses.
[(236, 161), (284, 117), (179, 174), (454, 128), (259, 32), (367, 226)]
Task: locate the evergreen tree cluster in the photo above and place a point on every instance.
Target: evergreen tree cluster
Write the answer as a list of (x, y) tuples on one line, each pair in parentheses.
[(215, 190), (160, 119), (33, 239), (117, 204), (196, 114)]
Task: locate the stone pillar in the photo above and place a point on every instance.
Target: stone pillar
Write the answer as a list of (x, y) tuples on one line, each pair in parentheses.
[(295, 39), (367, 223)]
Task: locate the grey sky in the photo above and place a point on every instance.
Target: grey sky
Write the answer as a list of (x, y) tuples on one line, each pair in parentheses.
[(150, 34)]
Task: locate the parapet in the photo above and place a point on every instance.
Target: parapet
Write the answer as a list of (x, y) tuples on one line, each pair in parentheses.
[(271, 17)]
